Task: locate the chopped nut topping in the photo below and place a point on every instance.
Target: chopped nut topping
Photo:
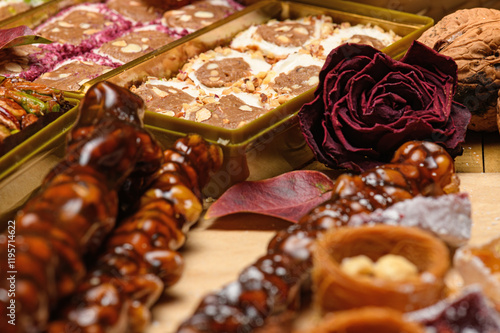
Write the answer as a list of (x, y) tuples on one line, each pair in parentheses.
[(283, 28), (313, 81), (203, 114), (168, 113), (282, 99), (208, 100), (250, 86)]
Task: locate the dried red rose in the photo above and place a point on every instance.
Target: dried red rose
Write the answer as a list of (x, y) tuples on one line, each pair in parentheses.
[(367, 105)]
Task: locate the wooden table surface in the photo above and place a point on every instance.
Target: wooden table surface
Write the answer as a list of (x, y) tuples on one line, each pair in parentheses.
[(217, 250)]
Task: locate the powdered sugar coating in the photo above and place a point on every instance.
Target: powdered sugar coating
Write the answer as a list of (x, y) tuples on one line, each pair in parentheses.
[(446, 216)]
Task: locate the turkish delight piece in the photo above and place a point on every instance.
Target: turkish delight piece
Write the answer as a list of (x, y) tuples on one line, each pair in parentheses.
[(280, 38), (166, 96), (468, 312), (137, 10), (90, 23), (71, 74), (197, 15), (135, 43)]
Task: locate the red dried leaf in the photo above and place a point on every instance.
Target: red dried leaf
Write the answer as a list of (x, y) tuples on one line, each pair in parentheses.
[(20, 35), (288, 196)]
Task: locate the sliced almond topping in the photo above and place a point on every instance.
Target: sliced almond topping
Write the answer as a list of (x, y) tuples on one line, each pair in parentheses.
[(65, 24), (82, 82), (283, 39), (55, 30), (84, 25), (185, 18), (159, 92), (13, 67), (144, 39), (172, 91), (203, 114), (214, 73), (145, 47), (168, 113), (204, 14), (131, 48), (283, 28), (174, 12), (245, 108), (313, 81), (65, 75), (296, 86), (208, 100), (250, 86), (120, 43), (212, 65), (91, 31), (214, 79), (301, 30)]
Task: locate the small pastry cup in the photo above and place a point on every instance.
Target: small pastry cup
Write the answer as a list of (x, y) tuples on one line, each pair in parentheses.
[(367, 319), (336, 290)]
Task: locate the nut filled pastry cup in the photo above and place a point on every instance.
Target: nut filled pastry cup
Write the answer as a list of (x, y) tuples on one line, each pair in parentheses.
[(380, 265), (366, 319)]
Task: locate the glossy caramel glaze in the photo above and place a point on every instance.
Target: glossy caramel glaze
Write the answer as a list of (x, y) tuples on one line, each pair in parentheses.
[(76, 207), (140, 258), (271, 285)]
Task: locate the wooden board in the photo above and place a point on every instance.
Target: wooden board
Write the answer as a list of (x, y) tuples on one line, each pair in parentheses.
[(217, 250)]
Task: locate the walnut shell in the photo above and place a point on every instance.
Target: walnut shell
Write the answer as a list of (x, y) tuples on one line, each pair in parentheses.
[(472, 38)]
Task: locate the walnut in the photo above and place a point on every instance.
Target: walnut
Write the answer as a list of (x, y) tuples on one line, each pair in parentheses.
[(472, 38)]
